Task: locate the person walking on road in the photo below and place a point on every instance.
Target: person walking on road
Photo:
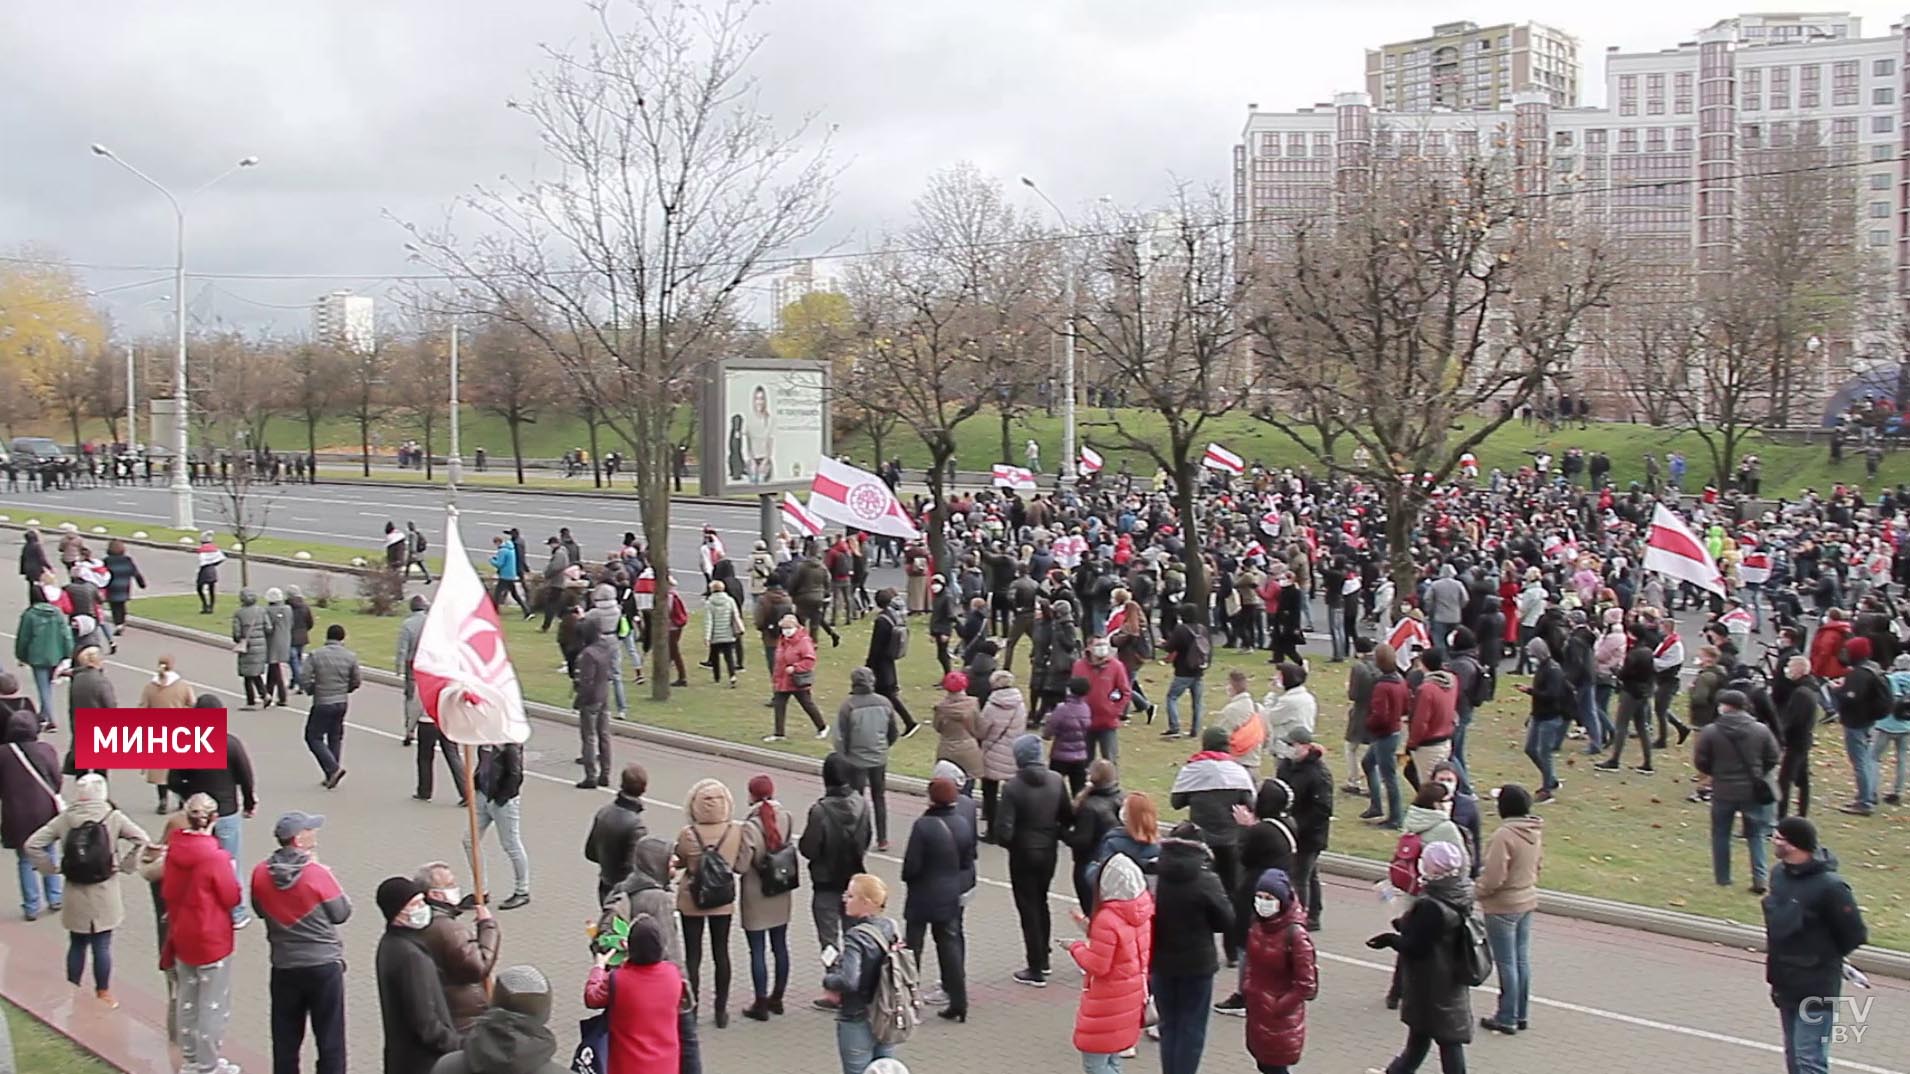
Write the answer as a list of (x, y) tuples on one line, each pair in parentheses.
[(278, 645), (1811, 924), (410, 630), (465, 949), (415, 545), (302, 906), (835, 840), (88, 844), (165, 690), (89, 688), (201, 893), (231, 790), (596, 665), (121, 575), (611, 844), (510, 577), (1507, 892), (329, 677), (206, 584), (42, 642), (500, 782), (29, 798), (1035, 810), (768, 831), (301, 635), (792, 667), (1436, 1001), (417, 1022), (251, 633), (705, 903), (33, 560), (865, 729), (1282, 974)]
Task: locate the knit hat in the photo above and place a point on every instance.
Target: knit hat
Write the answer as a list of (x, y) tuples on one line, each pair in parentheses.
[(1857, 649), (1121, 879), (942, 791), (1514, 801), (90, 788), (1538, 650), (955, 682), (394, 892), (949, 770), (1277, 883), (1027, 751), (1799, 833), (645, 943), (1213, 739), (835, 771), (761, 788), (524, 990), (1440, 860)]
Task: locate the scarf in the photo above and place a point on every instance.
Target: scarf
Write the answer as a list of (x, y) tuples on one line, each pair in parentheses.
[(1211, 771)]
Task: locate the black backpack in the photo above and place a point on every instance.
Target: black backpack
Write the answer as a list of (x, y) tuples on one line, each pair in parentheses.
[(713, 881), (86, 854), (417, 541), (1201, 655)]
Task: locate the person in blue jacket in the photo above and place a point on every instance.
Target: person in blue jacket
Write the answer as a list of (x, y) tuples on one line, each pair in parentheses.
[(509, 577)]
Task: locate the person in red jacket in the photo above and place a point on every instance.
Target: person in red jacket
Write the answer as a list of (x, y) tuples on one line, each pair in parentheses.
[(645, 998), (1114, 959), (1107, 696), (200, 890), (1827, 646), (1435, 714), (1282, 975), (1385, 720)]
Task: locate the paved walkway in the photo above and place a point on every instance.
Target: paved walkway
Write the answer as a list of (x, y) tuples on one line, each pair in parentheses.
[(1606, 999)]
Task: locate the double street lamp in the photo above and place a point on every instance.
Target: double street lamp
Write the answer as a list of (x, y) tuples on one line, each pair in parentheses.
[(181, 487)]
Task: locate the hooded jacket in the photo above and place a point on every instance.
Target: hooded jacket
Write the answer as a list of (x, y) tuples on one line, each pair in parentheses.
[(1435, 710), (88, 908), (504, 1042), (712, 830), (1434, 998), (1386, 706), (1003, 717), (1107, 695), (837, 832), (25, 804), (647, 891), (865, 722), (1811, 922), (302, 906), (1735, 751), (249, 633), (1067, 725), (43, 638), (1035, 808), (278, 630), (200, 891), (1311, 787), (1509, 881), (1191, 906), (1433, 826), (1282, 976), (1114, 960)]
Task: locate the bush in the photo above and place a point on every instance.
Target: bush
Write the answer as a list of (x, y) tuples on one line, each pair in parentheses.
[(322, 593), (381, 593)]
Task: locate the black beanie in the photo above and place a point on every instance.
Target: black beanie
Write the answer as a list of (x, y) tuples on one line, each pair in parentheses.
[(1514, 801), (645, 944), (394, 893), (1799, 833)]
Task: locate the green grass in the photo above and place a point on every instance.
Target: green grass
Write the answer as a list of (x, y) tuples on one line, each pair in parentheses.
[(39, 1050), (1620, 836), (107, 528)]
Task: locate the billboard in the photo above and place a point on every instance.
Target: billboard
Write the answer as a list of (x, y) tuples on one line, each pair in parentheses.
[(765, 424)]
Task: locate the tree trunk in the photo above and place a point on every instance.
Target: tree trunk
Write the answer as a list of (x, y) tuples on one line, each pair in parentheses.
[(1402, 517), (1007, 447), (1196, 567), (364, 442), (75, 416), (517, 443), (878, 436), (937, 542), (311, 439), (596, 461), (655, 460), (427, 448), (245, 563)]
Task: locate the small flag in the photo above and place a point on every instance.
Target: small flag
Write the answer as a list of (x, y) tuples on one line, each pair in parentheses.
[(1253, 549), (1270, 523), (799, 517), (1091, 461), (1755, 568), (464, 677), (842, 493), (1219, 458), (1672, 549), (1407, 638), (1737, 621), (1013, 477)]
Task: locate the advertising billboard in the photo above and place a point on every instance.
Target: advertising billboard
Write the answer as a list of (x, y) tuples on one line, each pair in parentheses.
[(765, 425)]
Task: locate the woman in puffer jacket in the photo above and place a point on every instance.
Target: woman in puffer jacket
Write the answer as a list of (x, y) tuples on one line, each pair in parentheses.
[(1114, 959), (1003, 716), (1282, 975)]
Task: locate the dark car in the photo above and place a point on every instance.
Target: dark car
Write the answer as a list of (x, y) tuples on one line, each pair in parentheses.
[(31, 453)]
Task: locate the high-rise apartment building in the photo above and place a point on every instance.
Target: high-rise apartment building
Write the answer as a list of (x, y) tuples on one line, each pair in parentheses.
[(345, 319), (1467, 67), (800, 280)]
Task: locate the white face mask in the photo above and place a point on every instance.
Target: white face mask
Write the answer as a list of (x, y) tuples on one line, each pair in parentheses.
[(450, 896), (417, 917), (1101, 650), (789, 632), (1265, 905)]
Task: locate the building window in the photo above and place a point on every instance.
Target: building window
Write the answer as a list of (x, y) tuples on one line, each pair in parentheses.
[(1883, 68), (1753, 135), (1628, 140), (1808, 85), (1880, 180), (1563, 139), (1655, 140), (1627, 95), (1879, 237), (1655, 94), (1595, 140), (1322, 144), (1681, 139), (1270, 145), (1681, 93), (1879, 210), (1881, 124), (1843, 82), (1780, 87), (1296, 144), (1881, 95), (1843, 131), (1881, 152)]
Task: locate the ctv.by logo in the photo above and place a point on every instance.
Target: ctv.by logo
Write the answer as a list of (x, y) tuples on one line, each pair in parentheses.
[(1848, 1016)]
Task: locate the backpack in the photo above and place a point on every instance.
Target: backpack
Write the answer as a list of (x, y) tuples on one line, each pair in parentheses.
[(1403, 871), (779, 873), (713, 881), (417, 541), (893, 1010), (1201, 656), (1474, 964), (1479, 691), (1248, 736), (899, 640), (86, 853)]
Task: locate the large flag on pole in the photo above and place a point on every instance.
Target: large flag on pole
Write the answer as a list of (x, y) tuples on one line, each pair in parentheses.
[(1013, 477), (841, 493), (800, 517), (1219, 458), (1091, 461), (1672, 549), (464, 677)]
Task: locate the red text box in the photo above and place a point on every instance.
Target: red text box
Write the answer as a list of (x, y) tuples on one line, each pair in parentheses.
[(149, 738)]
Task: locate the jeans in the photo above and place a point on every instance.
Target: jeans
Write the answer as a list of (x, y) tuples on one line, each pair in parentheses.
[(1634, 714), (509, 835), (1807, 1028), (1897, 742), (825, 906), (101, 944), (1589, 716), (1542, 739), (1461, 724), (616, 680), (316, 993), (1107, 743), (1381, 765), (1510, 936), (1757, 832), (1094, 1063), (1184, 684), (34, 887), (1861, 750), (857, 1046), (297, 662), (1183, 1002), (43, 683), (1440, 628), (951, 955), (776, 940), (227, 831), (593, 730), (1336, 632), (325, 735), (1602, 701)]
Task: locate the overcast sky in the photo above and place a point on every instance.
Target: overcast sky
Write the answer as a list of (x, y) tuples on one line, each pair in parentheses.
[(359, 107)]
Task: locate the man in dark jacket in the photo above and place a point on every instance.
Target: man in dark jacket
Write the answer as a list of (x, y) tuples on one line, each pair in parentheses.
[(1209, 790), (1035, 810), (464, 949), (1739, 754), (1795, 694), (1811, 924), (937, 867), (888, 641), (512, 1036), (28, 781), (302, 906), (616, 830), (1190, 907), (835, 837), (1311, 784), (1636, 680), (417, 1022), (596, 665), (1862, 700), (500, 778), (231, 787)]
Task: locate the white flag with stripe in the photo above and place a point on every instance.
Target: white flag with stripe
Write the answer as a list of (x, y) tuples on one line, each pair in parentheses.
[(1219, 458), (798, 518)]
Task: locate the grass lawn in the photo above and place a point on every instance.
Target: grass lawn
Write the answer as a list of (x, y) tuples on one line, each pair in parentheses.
[(1619, 836), (99, 530), (39, 1050)]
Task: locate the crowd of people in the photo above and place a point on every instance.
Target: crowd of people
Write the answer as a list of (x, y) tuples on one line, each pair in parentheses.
[(1177, 920)]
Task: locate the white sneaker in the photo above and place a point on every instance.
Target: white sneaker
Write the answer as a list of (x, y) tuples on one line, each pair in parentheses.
[(775, 738), (1129, 1054), (935, 997), (822, 734)]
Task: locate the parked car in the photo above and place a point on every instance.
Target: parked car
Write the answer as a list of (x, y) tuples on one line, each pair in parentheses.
[(35, 452)]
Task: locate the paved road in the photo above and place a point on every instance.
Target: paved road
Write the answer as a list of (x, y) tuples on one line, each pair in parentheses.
[(1607, 999)]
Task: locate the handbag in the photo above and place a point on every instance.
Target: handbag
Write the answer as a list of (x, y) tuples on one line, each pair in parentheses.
[(59, 803), (1762, 792), (779, 873), (803, 680), (593, 1039)]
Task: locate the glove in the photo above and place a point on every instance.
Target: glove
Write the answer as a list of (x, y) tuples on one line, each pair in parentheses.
[(1380, 942)]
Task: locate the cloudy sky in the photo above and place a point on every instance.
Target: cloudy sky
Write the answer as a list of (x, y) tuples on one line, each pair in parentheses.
[(359, 108)]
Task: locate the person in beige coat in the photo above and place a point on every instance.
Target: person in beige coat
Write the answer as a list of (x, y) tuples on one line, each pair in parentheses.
[(1507, 893), (958, 726), (91, 911), (165, 690), (710, 808), (767, 828)]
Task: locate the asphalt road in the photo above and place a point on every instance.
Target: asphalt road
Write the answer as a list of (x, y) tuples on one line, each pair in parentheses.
[(1605, 999)]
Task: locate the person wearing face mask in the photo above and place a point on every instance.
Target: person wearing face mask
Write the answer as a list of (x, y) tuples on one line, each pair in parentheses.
[(793, 675), (418, 1030), (464, 949), (1436, 1003), (302, 906), (1282, 974), (1107, 696)]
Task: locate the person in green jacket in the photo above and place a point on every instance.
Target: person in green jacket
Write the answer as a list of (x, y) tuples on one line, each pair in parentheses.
[(43, 641)]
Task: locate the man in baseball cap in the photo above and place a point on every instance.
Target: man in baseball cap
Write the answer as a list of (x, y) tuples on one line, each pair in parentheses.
[(302, 906)]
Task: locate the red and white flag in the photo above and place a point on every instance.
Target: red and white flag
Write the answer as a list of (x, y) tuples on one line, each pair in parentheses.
[(1253, 549), (841, 493), (1738, 621), (1219, 458), (1270, 523), (1091, 461), (464, 677), (798, 517), (1755, 568), (1013, 477), (1408, 637), (1672, 549)]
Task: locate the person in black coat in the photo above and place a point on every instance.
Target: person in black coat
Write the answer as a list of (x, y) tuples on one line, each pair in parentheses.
[(1266, 842), (33, 561), (417, 1020), (1035, 810), (1435, 998), (616, 830), (1306, 775), (1097, 811), (939, 859), (1795, 693), (1190, 907), (891, 610)]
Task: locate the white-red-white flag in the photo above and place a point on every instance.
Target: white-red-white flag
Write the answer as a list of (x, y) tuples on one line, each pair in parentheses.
[(1738, 621), (1408, 638), (1091, 461), (1672, 549), (842, 493), (1270, 523), (1013, 477), (464, 677), (1754, 568), (798, 517), (1219, 458)]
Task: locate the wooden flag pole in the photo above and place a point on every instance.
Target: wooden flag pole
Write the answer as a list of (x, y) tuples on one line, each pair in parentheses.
[(477, 849)]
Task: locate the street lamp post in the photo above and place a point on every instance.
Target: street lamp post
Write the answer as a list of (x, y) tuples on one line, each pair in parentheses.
[(181, 488), (1068, 455)]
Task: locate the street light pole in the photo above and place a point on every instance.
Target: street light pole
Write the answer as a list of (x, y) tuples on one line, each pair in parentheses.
[(181, 487), (132, 404), (454, 466), (1069, 459)]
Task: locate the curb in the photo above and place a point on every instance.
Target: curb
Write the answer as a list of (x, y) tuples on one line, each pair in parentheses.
[(265, 558), (1870, 959)]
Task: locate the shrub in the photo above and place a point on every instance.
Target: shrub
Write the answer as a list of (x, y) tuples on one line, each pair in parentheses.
[(322, 593), (381, 593)]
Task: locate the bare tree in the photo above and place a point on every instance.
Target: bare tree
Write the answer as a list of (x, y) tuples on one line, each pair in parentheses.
[(421, 381), (316, 376), (1653, 334), (508, 373), (243, 506), (364, 389), (1728, 377), (673, 187), (64, 369)]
